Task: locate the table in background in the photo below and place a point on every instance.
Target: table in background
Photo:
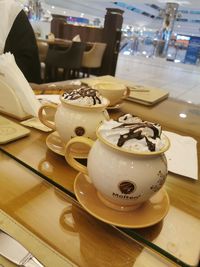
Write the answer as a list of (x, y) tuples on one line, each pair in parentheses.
[(58, 42)]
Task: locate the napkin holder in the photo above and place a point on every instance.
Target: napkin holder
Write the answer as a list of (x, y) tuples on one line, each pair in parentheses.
[(10, 104)]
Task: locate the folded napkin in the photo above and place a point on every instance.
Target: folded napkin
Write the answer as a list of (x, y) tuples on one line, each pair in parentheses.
[(14, 78), (182, 155), (76, 38)]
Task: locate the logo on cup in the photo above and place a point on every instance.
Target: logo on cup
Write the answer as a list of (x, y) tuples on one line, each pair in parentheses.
[(127, 187), (79, 131)]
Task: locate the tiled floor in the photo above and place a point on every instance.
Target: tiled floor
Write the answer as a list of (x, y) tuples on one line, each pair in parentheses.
[(181, 80)]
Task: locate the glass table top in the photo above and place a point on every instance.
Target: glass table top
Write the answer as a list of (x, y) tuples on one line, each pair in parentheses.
[(61, 224), (173, 237)]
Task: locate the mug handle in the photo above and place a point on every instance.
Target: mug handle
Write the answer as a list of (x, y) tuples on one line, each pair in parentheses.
[(70, 156), (43, 117), (127, 93)]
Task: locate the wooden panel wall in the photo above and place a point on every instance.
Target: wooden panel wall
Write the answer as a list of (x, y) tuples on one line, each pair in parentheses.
[(87, 34)]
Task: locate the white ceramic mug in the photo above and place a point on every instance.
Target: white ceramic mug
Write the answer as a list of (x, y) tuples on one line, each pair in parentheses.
[(74, 120), (123, 179), (114, 92)]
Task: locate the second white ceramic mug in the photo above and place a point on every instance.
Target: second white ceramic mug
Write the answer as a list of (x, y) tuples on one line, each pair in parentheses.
[(114, 92)]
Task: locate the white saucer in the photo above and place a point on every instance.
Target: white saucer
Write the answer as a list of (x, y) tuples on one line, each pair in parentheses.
[(55, 144), (115, 106), (150, 213)]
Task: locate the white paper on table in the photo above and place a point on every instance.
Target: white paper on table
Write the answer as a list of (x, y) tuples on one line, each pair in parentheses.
[(182, 155), (14, 78), (49, 98)]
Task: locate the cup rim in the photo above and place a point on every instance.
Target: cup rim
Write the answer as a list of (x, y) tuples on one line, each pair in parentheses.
[(135, 152), (86, 106)]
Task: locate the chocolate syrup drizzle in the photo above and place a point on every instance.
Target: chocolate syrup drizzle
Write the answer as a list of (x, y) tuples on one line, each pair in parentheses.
[(134, 133), (81, 93)]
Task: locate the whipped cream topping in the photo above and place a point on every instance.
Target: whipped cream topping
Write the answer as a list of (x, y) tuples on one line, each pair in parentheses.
[(85, 96), (133, 134)]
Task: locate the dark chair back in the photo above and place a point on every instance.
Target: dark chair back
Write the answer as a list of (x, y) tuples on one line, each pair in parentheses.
[(68, 59), (71, 57)]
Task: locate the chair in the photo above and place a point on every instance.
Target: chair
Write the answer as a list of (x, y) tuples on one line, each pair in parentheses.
[(42, 50), (65, 63), (92, 59)]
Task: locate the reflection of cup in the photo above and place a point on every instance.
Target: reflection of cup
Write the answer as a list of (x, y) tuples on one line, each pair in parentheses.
[(95, 250), (114, 92), (124, 178), (74, 120)]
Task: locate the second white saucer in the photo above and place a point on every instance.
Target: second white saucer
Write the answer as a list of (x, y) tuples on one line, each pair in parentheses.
[(55, 144)]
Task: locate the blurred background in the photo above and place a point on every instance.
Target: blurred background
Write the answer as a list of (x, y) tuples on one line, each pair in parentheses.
[(142, 29)]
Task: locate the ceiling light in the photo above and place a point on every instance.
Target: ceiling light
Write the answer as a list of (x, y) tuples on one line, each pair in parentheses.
[(178, 2)]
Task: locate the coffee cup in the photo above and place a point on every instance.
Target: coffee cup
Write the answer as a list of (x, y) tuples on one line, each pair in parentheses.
[(72, 119), (114, 92), (124, 177)]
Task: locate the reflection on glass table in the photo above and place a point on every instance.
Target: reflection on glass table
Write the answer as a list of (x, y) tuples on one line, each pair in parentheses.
[(55, 229), (173, 236)]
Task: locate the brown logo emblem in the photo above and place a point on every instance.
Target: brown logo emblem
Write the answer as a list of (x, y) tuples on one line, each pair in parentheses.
[(126, 187), (79, 131)]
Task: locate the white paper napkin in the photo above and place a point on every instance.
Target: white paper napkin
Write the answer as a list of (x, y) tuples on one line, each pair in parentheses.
[(15, 79), (182, 155), (49, 98)]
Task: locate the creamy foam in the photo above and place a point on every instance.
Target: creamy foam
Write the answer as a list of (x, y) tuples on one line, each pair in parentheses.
[(133, 134), (84, 96)]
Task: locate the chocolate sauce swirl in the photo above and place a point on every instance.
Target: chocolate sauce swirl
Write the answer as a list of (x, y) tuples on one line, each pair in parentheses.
[(83, 92), (135, 133)]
